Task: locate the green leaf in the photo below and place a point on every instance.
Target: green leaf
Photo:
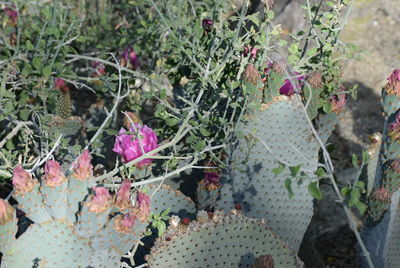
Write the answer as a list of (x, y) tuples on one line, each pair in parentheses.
[(165, 212), (361, 207), (295, 170), (354, 160), (365, 157), (314, 190), (278, 170), (288, 186), (46, 71), (327, 107), (354, 197), (205, 132), (24, 114), (37, 63), (320, 172), (171, 121), (160, 225), (345, 191)]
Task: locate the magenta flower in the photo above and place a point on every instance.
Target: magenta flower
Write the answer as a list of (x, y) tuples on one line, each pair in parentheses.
[(83, 167), (291, 87), (142, 206), (338, 101), (207, 25), (128, 146), (129, 58), (6, 212), (12, 15), (123, 200), (100, 69), (22, 180), (53, 176), (101, 201), (252, 50), (59, 83), (124, 223), (393, 86)]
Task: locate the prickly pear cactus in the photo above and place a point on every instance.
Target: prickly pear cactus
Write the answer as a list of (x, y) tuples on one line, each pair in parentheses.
[(220, 240), (381, 233), (278, 133), (74, 226)]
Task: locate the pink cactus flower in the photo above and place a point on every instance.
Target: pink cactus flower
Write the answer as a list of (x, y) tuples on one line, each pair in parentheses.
[(338, 101), (123, 200), (7, 212), (129, 147), (393, 85), (53, 175), (129, 58), (83, 167), (22, 180), (142, 207), (291, 87), (101, 201), (211, 180), (124, 223)]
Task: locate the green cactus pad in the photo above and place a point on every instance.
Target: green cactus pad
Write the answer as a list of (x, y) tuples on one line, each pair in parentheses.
[(167, 197), (250, 180), (7, 234), (89, 223), (51, 244), (104, 259), (77, 192), (390, 103), (55, 200), (326, 124), (231, 240), (32, 204), (392, 243)]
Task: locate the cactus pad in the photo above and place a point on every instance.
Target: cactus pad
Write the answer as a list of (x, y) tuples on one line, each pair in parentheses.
[(249, 181), (231, 240)]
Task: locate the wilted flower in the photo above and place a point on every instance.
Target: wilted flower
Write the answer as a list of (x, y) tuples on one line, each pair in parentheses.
[(251, 74), (124, 223), (290, 87), (252, 50), (22, 180), (394, 129), (101, 201), (264, 261), (142, 206), (338, 101), (83, 167), (130, 148), (211, 180), (53, 175), (12, 15), (315, 80), (207, 25), (131, 117), (6, 212), (393, 85), (123, 200), (129, 58)]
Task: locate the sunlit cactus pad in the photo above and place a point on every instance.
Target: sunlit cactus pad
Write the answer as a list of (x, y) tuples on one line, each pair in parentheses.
[(220, 240), (281, 126)]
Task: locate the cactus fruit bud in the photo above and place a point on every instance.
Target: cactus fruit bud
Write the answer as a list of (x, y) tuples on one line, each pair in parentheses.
[(251, 74), (315, 80), (186, 221), (238, 207), (123, 200), (101, 201), (83, 167), (142, 206), (393, 85), (264, 261), (22, 180), (53, 176), (124, 223), (338, 101), (6, 212)]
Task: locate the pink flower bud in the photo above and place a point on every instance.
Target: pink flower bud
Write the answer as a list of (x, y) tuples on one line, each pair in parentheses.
[(99, 68), (252, 50), (124, 223), (101, 201), (293, 86), (129, 58), (6, 212), (338, 101), (142, 207), (53, 176), (12, 15), (393, 85), (129, 147), (83, 167), (22, 180), (59, 83), (123, 200)]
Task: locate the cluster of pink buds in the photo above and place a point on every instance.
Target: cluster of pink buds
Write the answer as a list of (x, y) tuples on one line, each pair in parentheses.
[(250, 50), (22, 180), (393, 85), (83, 168), (99, 69), (53, 175), (130, 147), (12, 15), (207, 25), (129, 59), (101, 201)]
